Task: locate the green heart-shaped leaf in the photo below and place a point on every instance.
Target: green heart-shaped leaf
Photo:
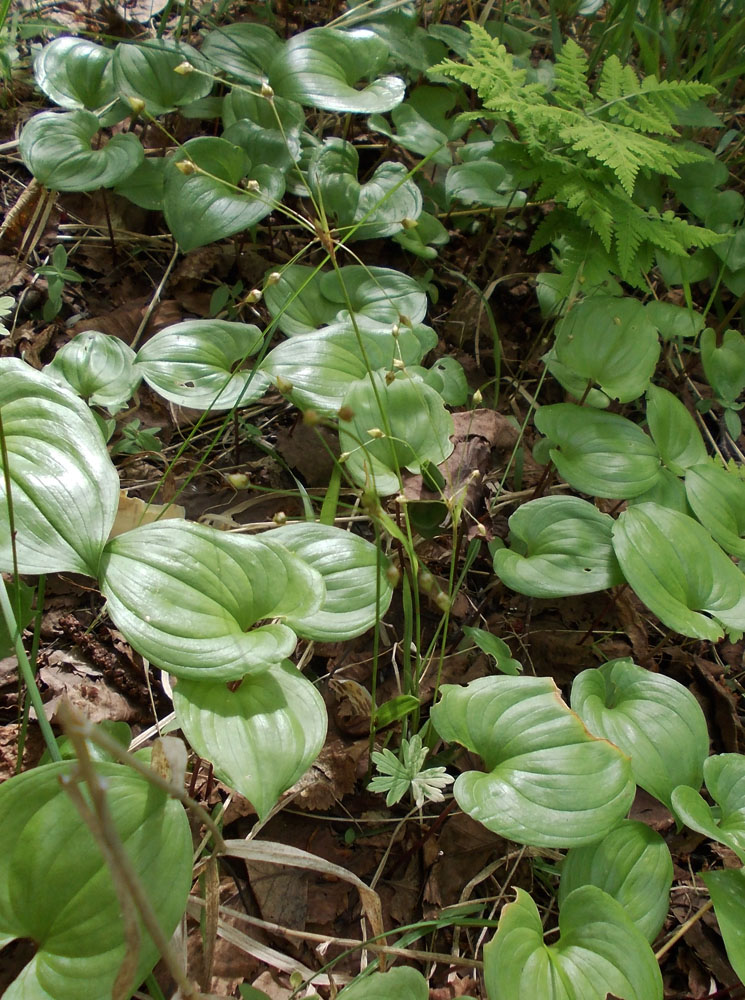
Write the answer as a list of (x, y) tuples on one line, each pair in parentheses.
[(717, 497), (482, 183), (208, 204), (194, 364), (394, 424), (599, 453), (611, 342), (354, 572), (317, 369), (559, 546), (655, 721), (321, 68), (97, 367), (422, 124), (261, 737), (56, 148), (64, 488), (600, 951), (58, 891), (725, 779), (75, 73), (679, 572), (727, 891), (304, 299), (244, 50), (188, 597), (145, 185), (403, 983), (268, 130), (384, 202), (724, 365), (146, 71), (674, 431), (549, 782), (673, 321), (633, 865)]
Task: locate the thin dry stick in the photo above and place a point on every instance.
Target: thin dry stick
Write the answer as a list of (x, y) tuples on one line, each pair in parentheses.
[(107, 836), (155, 299), (683, 929)]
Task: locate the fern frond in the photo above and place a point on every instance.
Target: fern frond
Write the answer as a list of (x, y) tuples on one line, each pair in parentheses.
[(490, 69), (572, 68), (647, 106), (616, 81)]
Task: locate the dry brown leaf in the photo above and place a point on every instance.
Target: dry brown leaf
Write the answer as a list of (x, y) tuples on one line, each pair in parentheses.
[(282, 894), (332, 776), (69, 675), (133, 512)]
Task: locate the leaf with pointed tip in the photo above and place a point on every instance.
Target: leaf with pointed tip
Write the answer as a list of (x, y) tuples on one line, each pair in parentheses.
[(244, 50), (260, 737), (269, 131), (673, 321), (724, 366), (632, 864), (727, 891), (193, 363), (146, 71), (559, 546), (354, 570), (603, 454), (56, 148), (58, 890), (65, 490), (75, 73), (724, 775), (145, 185), (549, 783), (410, 425), (383, 202), (321, 367), (674, 431), (679, 572), (482, 183), (655, 721), (610, 342), (97, 367), (323, 66), (190, 598), (209, 204), (717, 498), (305, 299), (403, 983), (600, 951)]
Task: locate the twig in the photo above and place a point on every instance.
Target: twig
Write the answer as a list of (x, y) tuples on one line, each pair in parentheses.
[(683, 929)]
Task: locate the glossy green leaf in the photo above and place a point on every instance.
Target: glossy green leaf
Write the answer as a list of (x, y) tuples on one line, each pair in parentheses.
[(305, 299), (655, 721), (402, 983), (549, 782), (262, 736), (422, 238), (212, 203), (451, 380), (317, 369), (146, 71), (600, 951), (495, 647), (679, 572), (322, 68), (603, 454), (146, 184), (674, 431), (196, 363), (75, 73), (482, 183), (383, 202), (57, 890), (668, 491), (188, 597), (724, 775), (268, 130), (724, 366), (394, 425), (559, 546), (673, 321), (97, 367), (64, 488), (633, 865), (244, 49), (727, 891), (354, 572), (610, 342), (56, 148), (717, 497), (412, 131)]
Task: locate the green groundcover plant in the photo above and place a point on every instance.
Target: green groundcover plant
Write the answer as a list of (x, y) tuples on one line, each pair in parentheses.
[(222, 612)]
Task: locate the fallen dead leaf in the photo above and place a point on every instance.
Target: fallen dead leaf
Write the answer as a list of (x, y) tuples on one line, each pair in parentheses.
[(133, 512), (68, 675)]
